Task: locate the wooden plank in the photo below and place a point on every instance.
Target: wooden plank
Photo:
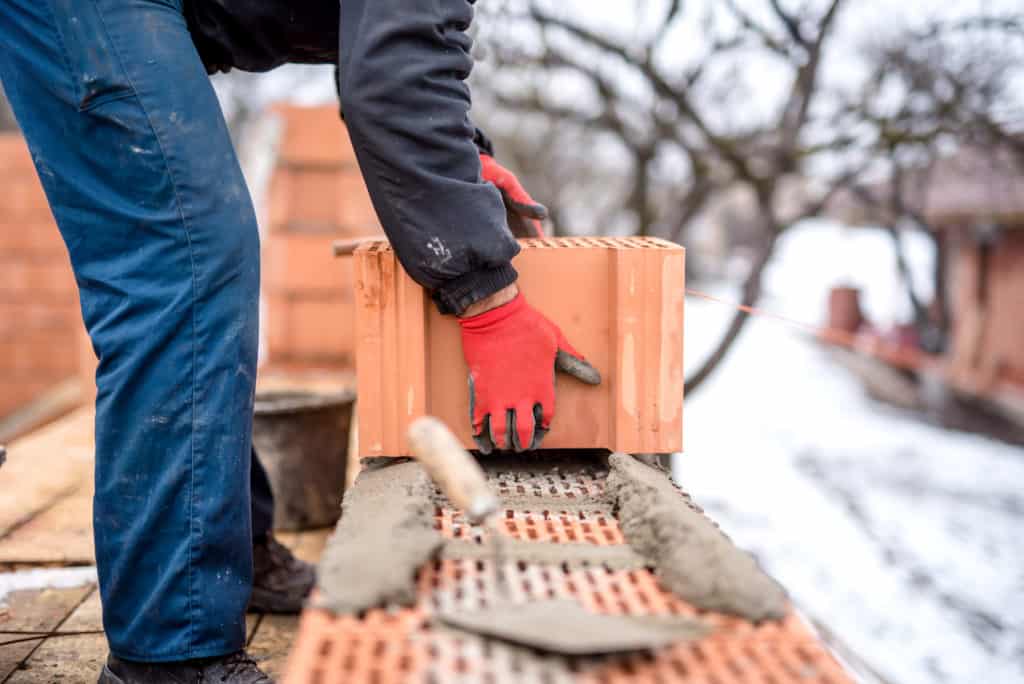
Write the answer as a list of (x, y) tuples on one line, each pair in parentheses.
[(45, 466), (272, 642), (61, 534), (59, 401), (36, 611), (77, 658)]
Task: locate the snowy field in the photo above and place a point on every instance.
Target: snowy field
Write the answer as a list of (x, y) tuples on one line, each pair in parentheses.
[(904, 539)]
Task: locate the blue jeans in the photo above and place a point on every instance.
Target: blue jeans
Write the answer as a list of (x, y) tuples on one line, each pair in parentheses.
[(135, 158)]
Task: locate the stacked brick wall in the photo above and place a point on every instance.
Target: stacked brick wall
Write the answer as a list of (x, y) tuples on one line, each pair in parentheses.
[(40, 323), (317, 196)]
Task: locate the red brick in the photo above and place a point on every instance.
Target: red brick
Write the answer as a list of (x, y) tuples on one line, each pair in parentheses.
[(356, 214), (17, 391), (302, 328), (311, 199), (314, 135), (33, 237), (618, 300), (37, 280), (14, 154), (26, 318), (295, 263), (23, 196), (40, 355)]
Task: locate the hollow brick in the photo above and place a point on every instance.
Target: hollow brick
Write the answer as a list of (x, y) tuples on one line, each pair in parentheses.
[(619, 302)]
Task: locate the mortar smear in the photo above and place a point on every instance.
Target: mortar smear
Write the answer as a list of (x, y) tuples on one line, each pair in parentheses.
[(566, 627), (385, 535), (612, 557), (692, 557)]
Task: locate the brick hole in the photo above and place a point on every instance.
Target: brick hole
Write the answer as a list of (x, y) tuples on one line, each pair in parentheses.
[(325, 648), (461, 666), (531, 533), (349, 663), (678, 666), (734, 667)]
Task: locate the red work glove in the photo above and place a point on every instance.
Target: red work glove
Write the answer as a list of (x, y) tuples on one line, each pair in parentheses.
[(524, 214), (513, 352)]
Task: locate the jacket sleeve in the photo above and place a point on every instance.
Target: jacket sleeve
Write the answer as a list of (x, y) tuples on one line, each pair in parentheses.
[(401, 80)]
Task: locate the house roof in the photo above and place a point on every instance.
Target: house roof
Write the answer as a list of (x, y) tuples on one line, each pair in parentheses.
[(971, 186)]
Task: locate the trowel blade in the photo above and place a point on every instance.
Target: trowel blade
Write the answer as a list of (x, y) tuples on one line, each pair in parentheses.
[(565, 627)]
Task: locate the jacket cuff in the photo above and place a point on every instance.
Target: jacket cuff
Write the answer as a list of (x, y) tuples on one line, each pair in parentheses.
[(457, 295)]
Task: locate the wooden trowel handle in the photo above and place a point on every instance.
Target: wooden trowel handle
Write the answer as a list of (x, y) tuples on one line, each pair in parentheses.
[(452, 468)]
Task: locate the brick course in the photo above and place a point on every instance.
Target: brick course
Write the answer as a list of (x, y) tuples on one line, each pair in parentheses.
[(40, 323), (317, 195)]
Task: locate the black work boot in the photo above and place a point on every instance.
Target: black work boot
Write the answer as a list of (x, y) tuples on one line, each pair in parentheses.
[(237, 668), (280, 581)]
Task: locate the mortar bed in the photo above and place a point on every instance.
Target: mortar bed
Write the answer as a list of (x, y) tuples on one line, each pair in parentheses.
[(410, 645)]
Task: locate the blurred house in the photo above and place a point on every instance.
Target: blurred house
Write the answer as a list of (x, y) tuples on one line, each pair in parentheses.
[(973, 204)]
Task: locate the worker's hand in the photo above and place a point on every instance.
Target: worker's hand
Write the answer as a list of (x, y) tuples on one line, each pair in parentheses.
[(513, 352), (524, 214)]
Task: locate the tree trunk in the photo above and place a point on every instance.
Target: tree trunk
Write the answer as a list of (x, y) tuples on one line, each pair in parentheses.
[(751, 294)]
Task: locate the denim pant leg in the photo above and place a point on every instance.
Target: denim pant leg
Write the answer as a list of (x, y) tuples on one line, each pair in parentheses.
[(133, 152)]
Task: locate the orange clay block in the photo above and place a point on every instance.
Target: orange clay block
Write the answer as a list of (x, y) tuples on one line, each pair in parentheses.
[(619, 302)]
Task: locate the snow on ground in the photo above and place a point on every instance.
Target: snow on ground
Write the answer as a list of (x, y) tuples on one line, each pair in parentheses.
[(45, 578), (903, 538)]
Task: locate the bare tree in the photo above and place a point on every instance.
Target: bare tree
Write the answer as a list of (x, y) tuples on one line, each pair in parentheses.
[(693, 131)]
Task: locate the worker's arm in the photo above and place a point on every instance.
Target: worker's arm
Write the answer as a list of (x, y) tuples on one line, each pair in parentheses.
[(403, 64)]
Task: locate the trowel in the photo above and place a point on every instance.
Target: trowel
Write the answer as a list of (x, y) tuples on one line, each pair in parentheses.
[(560, 626)]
